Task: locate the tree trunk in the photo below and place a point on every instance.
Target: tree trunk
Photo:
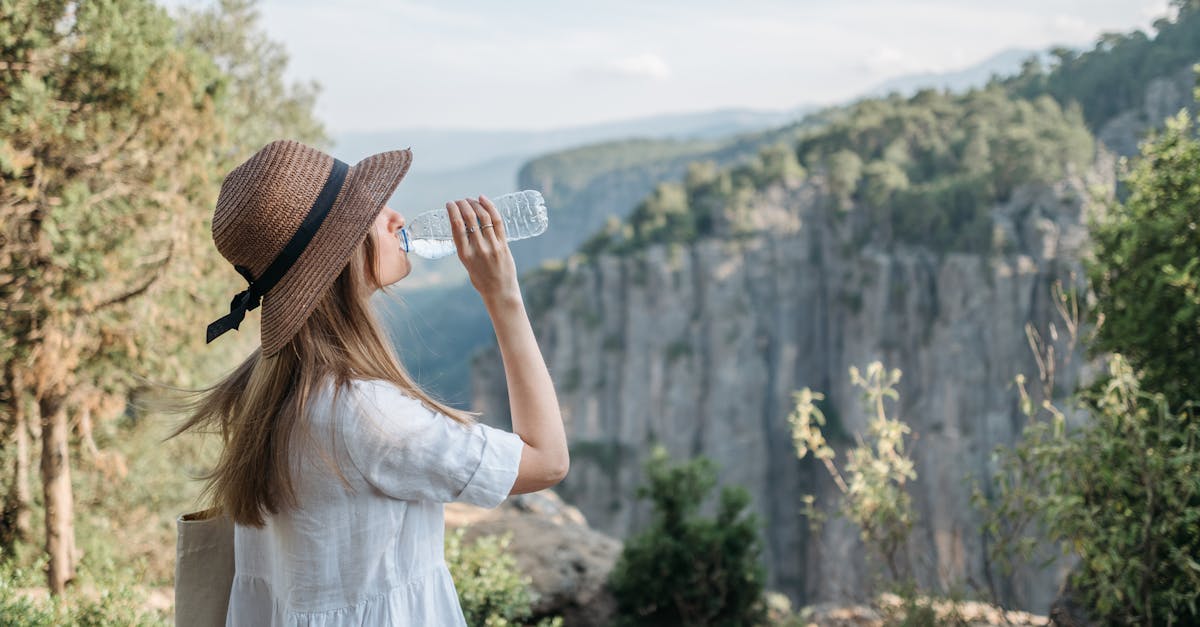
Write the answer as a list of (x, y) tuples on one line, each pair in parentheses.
[(16, 519), (24, 494), (22, 497), (56, 486)]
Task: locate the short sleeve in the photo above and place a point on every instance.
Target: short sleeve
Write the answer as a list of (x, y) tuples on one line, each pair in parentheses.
[(411, 452)]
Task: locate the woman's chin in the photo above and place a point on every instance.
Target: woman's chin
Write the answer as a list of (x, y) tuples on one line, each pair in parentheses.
[(402, 274)]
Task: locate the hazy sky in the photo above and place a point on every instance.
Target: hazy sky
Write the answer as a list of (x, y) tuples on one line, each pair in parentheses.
[(538, 64)]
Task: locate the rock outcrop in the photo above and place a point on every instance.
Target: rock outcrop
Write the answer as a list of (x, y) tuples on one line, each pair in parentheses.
[(889, 609), (1164, 97), (567, 561)]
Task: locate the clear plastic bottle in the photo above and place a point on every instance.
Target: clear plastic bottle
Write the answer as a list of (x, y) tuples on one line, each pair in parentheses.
[(429, 235)]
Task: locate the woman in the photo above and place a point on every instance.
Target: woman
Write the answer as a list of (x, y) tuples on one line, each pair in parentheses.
[(336, 464)]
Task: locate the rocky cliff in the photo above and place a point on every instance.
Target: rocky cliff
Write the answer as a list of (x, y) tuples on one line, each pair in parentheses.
[(700, 347)]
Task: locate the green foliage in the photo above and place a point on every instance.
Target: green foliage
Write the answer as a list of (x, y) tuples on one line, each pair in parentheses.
[(664, 216), (932, 166), (928, 169), (779, 164), (874, 498), (129, 496), (255, 100), (100, 121), (1120, 491), (950, 214), (844, 169), (1146, 271), (1113, 76), (117, 123), (685, 569), (116, 607), (1129, 504), (614, 231), (707, 200), (19, 610), (491, 588), (915, 610), (882, 180)]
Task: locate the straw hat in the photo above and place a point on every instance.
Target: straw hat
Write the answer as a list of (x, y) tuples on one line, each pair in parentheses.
[(288, 219)]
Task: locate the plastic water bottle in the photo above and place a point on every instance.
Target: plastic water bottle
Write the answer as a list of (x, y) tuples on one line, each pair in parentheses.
[(429, 235)]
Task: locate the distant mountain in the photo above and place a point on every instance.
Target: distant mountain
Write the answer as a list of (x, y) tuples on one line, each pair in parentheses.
[(447, 149), (455, 163), (1001, 64)]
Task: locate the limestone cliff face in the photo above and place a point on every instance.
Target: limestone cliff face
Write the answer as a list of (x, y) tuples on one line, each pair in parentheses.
[(700, 347), (1164, 96)]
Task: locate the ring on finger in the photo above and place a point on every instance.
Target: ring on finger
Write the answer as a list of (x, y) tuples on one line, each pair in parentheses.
[(485, 226)]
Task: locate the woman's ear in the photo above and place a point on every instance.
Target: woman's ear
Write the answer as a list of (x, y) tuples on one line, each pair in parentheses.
[(369, 256)]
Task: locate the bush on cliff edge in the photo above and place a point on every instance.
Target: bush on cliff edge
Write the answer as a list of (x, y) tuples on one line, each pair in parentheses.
[(686, 569)]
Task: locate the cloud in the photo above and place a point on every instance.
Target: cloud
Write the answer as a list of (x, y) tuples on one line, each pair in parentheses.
[(1071, 28), (644, 66), (1154, 9), (429, 60), (887, 60)]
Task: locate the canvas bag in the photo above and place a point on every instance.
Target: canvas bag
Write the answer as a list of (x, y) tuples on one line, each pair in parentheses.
[(203, 568)]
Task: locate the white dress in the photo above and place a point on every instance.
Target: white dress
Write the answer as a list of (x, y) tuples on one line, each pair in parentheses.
[(374, 555)]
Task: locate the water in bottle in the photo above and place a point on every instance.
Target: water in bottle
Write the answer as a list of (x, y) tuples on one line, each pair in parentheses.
[(429, 235)]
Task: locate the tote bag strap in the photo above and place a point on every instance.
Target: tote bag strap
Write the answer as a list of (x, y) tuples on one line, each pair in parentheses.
[(204, 568)]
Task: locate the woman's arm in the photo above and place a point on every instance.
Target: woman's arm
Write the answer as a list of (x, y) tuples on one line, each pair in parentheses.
[(533, 402)]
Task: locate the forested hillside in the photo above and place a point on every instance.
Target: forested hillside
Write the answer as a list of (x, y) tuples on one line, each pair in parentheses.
[(928, 232), (924, 171)]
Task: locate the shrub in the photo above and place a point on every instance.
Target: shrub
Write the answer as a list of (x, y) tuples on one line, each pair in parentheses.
[(1119, 491), (491, 588), (116, 606), (878, 468), (1146, 272), (686, 569), (17, 610), (1122, 491)]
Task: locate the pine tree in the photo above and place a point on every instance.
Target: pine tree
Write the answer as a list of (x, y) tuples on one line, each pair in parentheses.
[(115, 127)]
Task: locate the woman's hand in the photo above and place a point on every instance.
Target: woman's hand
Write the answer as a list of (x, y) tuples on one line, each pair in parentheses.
[(484, 251)]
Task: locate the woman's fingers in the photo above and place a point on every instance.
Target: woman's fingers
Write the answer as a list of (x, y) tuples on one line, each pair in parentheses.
[(468, 213), (472, 223), (487, 236), (458, 227), (485, 255), (497, 221)]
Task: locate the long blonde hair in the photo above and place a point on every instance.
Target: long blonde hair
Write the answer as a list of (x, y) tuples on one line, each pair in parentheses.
[(259, 409)]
